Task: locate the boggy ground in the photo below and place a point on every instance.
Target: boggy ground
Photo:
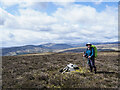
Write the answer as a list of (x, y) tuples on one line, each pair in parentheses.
[(42, 71)]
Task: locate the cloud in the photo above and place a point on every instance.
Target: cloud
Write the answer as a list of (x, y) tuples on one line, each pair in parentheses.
[(28, 19), (4, 15), (34, 5), (72, 23), (97, 2), (31, 4), (64, 3), (76, 14), (25, 37)]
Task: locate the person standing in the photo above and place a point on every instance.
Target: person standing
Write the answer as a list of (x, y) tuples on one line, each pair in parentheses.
[(90, 54)]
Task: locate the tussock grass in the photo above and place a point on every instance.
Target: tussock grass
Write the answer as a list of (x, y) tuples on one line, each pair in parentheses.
[(42, 71)]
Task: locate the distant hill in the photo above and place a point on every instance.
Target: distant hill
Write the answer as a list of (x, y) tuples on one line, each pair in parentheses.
[(94, 43), (52, 47), (100, 47), (59, 46)]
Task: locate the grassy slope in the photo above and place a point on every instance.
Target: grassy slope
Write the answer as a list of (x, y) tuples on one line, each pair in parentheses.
[(41, 71)]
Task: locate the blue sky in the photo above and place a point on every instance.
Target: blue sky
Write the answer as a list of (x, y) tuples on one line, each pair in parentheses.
[(99, 7), (25, 23), (12, 9), (50, 7)]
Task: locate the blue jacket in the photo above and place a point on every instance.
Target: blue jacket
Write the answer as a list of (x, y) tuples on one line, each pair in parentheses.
[(90, 52)]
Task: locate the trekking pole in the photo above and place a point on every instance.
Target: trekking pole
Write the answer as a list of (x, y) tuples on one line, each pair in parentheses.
[(83, 61)]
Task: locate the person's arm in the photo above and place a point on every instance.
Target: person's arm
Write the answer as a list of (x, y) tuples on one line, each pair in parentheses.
[(85, 53)]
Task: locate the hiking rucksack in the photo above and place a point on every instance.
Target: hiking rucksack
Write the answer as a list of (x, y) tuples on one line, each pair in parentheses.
[(70, 67), (95, 49)]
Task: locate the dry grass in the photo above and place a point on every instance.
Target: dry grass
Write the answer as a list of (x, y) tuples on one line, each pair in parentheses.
[(108, 54), (42, 71)]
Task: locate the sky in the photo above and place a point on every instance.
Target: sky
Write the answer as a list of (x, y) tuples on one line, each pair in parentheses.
[(35, 23)]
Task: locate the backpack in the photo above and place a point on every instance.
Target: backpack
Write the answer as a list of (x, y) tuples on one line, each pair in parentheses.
[(70, 67), (95, 50)]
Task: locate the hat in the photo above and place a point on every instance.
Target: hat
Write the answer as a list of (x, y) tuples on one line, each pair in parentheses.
[(88, 44)]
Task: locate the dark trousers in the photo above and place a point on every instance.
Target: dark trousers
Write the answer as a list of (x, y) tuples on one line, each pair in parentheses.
[(91, 63)]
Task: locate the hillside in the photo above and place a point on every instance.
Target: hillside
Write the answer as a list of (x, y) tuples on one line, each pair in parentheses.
[(28, 49), (52, 47), (101, 47), (42, 71)]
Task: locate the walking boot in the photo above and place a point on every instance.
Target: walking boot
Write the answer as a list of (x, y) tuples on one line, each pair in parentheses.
[(91, 70), (95, 70)]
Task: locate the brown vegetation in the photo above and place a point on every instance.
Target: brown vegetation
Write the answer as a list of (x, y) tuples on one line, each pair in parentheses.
[(42, 71)]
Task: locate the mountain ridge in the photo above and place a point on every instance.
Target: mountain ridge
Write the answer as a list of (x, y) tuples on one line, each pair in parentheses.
[(53, 47), (27, 49)]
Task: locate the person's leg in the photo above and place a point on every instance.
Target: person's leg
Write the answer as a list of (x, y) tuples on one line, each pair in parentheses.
[(93, 64), (90, 64)]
